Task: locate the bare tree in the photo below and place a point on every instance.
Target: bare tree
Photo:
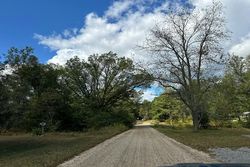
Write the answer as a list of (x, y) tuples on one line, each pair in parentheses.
[(187, 52)]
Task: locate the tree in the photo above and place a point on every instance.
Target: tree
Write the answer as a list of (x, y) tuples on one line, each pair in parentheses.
[(30, 92), (236, 81), (103, 82), (144, 110), (19, 90), (166, 106), (4, 98), (188, 49), (229, 97)]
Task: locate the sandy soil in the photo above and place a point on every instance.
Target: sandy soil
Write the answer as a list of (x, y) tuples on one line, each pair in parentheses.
[(142, 146)]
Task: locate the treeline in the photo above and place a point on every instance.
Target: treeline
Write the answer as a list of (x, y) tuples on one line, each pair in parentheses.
[(226, 103), (77, 96)]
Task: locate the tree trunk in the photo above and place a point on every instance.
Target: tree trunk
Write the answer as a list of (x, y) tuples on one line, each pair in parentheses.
[(195, 120)]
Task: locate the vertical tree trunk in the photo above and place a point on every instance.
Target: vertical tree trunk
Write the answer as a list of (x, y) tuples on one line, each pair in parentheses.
[(195, 120)]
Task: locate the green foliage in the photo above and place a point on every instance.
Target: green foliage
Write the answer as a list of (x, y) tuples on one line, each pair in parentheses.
[(37, 131), (230, 97), (166, 106), (144, 110), (81, 95), (102, 85), (247, 123), (103, 80), (101, 92)]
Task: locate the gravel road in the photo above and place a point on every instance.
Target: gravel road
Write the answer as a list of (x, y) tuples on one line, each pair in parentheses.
[(142, 146)]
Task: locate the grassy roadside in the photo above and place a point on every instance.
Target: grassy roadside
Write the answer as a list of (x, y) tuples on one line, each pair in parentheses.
[(50, 150), (205, 139)]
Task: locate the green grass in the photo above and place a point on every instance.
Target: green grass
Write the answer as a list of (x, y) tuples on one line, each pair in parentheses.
[(205, 139), (25, 150)]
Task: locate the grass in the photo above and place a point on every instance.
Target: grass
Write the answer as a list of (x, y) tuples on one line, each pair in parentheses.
[(25, 150), (205, 139)]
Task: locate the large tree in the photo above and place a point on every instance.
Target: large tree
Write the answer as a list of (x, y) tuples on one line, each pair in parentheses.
[(30, 92), (187, 50), (103, 82)]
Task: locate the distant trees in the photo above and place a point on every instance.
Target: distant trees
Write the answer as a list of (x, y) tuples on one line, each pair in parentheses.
[(188, 51), (79, 95), (230, 97), (145, 108), (166, 106)]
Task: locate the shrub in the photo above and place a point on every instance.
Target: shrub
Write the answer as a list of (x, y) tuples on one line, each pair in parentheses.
[(204, 122), (101, 119), (247, 124), (37, 131)]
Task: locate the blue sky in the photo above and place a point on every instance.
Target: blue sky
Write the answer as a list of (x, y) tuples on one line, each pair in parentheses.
[(20, 19)]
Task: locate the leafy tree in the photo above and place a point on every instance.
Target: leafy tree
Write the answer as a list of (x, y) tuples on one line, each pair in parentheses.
[(32, 92), (102, 82), (17, 87), (4, 98), (166, 106), (230, 96), (145, 110)]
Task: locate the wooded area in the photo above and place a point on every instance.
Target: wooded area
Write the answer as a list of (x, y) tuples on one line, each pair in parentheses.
[(78, 96), (188, 63)]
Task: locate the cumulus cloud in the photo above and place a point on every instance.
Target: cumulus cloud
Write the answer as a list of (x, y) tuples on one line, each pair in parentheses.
[(154, 91), (100, 34), (242, 48), (149, 95), (118, 8), (126, 24)]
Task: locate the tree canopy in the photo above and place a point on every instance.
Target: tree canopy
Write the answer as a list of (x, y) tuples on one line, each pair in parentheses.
[(82, 94)]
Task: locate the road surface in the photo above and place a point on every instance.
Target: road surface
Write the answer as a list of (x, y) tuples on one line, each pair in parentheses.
[(142, 146)]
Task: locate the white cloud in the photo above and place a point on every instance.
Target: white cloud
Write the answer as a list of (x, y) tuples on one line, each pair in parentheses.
[(125, 25), (236, 13), (149, 95), (118, 8), (99, 34), (155, 90), (242, 48)]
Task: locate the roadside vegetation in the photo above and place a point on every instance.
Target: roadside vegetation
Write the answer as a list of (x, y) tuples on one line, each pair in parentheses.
[(204, 140), (227, 103), (75, 97), (204, 89), (55, 112), (51, 149)]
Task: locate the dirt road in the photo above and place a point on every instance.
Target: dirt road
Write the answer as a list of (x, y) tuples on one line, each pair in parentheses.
[(142, 146)]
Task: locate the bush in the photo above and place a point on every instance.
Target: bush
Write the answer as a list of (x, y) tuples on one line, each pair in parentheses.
[(247, 124), (37, 131), (101, 119), (204, 122), (227, 123), (237, 124), (161, 117)]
